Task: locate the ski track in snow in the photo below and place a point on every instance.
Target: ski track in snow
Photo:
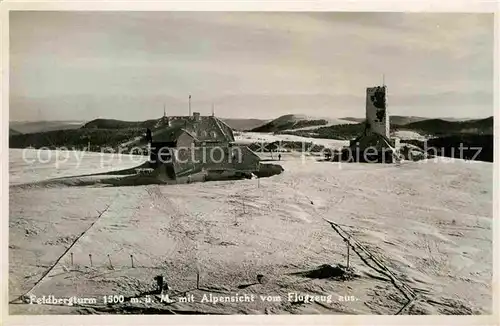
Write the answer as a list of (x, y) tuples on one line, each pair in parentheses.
[(430, 222)]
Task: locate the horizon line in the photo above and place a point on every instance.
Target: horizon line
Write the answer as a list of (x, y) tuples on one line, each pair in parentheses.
[(263, 119)]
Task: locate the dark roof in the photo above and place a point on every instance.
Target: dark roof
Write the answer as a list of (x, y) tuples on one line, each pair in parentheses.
[(206, 129), (170, 134)]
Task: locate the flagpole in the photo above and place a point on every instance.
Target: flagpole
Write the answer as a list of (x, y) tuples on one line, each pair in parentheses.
[(189, 105)]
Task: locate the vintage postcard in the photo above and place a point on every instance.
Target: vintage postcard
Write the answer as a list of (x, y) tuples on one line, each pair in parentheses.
[(249, 162)]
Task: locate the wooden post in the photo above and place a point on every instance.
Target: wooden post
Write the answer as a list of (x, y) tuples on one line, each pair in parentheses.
[(132, 259), (71, 259), (110, 264), (159, 283), (198, 280), (90, 257)]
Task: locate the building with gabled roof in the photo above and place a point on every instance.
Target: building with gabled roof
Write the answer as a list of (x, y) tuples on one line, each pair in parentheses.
[(199, 144)]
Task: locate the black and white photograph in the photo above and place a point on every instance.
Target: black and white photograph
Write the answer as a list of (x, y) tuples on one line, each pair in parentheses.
[(250, 163)]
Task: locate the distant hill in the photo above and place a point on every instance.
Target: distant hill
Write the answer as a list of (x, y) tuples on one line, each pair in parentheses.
[(424, 128), (27, 127), (462, 146), (297, 121), (244, 124), (354, 119), (236, 124), (75, 138), (398, 120), (13, 132), (99, 133), (341, 132), (110, 132), (445, 127), (289, 121), (119, 124)]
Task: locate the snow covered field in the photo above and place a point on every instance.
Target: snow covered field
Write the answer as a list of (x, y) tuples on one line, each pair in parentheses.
[(29, 165), (256, 137), (429, 222)]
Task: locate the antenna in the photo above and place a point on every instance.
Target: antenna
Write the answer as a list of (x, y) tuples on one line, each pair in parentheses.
[(189, 105)]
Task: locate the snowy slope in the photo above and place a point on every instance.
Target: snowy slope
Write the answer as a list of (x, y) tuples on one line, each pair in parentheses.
[(57, 164), (430, 222), (408, 134), (26, 127), (294, 122), (331, 122), (258, 137)]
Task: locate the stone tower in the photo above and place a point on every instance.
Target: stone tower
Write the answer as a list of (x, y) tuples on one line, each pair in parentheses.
[(377, 118)]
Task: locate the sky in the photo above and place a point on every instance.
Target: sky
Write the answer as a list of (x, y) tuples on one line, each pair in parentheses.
[(129, 65)]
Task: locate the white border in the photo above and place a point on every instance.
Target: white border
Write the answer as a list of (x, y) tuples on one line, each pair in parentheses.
[(366, 5)]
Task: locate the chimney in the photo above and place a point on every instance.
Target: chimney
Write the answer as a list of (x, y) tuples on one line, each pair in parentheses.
[(196, 116)]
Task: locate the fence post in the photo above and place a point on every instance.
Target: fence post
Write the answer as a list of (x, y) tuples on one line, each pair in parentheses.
[(110, 264)]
